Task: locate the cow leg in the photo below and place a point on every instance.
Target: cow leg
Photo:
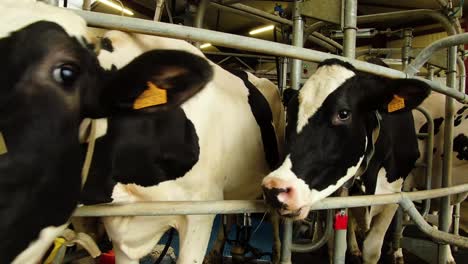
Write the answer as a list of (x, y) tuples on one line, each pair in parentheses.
[(374, 239), (194, 237), (353, 246), (122, 258)]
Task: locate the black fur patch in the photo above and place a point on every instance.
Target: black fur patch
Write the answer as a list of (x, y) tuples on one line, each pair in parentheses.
[(330, 62), (460, 145), (437, 124), (106, 44), (457, 121), (462, 110), (262, 113)]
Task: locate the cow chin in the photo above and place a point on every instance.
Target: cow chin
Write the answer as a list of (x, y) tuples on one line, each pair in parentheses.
[(296, 215)]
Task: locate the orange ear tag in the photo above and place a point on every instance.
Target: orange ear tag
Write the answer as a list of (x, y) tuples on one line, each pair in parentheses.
[(151, 97), (396, 104)]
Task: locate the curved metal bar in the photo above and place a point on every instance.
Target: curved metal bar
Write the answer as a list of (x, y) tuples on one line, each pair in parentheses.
[(409, 207), (303, 248), (428, 51), (429, 156)]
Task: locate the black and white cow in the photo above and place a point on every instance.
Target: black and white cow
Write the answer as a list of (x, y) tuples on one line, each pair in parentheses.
[(329, 130), (49, 81), (217, 145)]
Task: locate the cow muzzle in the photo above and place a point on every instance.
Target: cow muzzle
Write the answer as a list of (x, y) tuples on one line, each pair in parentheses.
[(285, 196)]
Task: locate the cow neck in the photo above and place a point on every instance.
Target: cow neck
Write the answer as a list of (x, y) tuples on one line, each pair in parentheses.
[(370, 150)]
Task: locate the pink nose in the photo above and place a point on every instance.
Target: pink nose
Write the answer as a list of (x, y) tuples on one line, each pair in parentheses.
[(279, 193)]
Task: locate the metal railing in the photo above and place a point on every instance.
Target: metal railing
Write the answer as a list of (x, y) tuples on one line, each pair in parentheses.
[(271, 48)]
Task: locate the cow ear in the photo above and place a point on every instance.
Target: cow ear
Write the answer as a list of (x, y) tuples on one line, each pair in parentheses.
[(395, 95), (157, 80)]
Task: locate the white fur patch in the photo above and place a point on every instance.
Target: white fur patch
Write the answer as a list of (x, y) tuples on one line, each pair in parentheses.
[(384, 187), (37, 248), (317, 88), (17, 14), (101, 129)]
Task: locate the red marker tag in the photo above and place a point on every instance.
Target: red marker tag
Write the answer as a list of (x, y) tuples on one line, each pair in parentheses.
[(341, 221)]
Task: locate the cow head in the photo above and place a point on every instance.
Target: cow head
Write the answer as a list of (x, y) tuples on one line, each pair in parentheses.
[(329, 126)]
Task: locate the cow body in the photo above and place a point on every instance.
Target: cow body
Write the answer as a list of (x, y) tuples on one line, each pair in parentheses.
[(217, 145), (329, 137)]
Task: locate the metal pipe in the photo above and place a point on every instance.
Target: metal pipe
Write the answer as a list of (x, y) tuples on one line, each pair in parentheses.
[(445, 237), (243, 13), (86, 5), (429, 156), (445, 210), (377, 51), (350, 28), (241, 55), (326, 40), (407, 45), (263, 14), (200, 16), (298, 32), (461, 74), (303, 248), (430, 72), (349, 51), (244, 43), (158, 10), (284, 74), (286, 242), (256, 206), (428, 51), (456, 221), (323, 44), (418, 13)]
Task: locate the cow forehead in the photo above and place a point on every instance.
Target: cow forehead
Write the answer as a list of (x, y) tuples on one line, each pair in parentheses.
[(318, 87), (17, 14)]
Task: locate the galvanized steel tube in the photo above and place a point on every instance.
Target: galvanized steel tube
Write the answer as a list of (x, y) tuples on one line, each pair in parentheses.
[(303, 248), (445, 210), (244, 43), (428, 51), (200, 16), (297, 41), (445, 237), (429, 156), (461, 75), (350, 28), (236, 207)]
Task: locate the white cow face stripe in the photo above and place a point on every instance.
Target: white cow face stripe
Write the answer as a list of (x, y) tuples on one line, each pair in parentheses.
[(319, 86)]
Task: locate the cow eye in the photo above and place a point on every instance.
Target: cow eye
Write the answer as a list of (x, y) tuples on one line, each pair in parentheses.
[(65, 74), (344, 115)]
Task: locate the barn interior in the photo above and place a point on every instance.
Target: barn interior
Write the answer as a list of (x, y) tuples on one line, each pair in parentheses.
[(273, 20)]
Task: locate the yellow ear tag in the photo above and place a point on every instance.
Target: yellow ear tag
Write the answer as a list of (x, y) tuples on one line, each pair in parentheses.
[(3, 146), (151, 97), (396, 104)]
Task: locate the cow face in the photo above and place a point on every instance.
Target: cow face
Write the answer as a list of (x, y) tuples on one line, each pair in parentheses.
[(147, 138), (329, 126), (45, 75)]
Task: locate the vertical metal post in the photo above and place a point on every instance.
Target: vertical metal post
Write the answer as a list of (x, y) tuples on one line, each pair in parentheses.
[(287, 241), (430, 72), (456, 222), (158, 10), (444, 217), (349, 29), (86, 5), (284, 74), (349, 51), (406, 49), (405, 59), (298, 34), (201, 10)]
